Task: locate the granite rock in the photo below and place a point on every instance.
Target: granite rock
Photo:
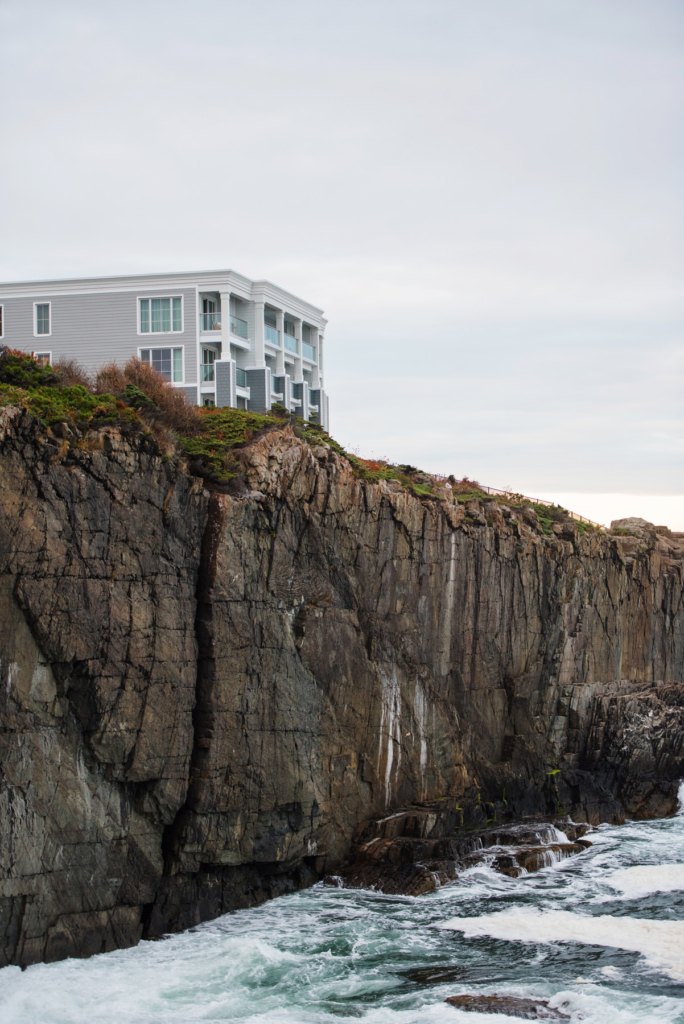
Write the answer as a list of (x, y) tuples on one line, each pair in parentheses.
[(204, 695)]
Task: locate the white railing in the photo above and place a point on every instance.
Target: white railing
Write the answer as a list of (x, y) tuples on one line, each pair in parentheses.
[(537, 501)]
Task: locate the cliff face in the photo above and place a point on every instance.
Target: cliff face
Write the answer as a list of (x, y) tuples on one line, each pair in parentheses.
[(203, 695)]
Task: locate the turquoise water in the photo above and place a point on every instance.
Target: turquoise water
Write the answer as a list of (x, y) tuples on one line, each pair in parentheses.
[(601, 935)]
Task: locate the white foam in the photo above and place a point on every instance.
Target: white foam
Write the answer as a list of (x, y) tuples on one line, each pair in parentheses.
[(646, 878), (661, 942)]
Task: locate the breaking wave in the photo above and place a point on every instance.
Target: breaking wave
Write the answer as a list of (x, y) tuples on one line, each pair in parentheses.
[(661, 942), (599, 936), (645, 879)]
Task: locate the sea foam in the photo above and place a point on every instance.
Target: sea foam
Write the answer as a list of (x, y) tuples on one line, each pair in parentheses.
[(647, 878), (661, 942)]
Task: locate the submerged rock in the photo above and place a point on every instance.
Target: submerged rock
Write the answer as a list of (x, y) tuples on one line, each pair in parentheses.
[(512, 1006)]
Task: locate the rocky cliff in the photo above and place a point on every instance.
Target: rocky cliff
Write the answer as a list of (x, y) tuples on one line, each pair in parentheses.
[(205, 695)]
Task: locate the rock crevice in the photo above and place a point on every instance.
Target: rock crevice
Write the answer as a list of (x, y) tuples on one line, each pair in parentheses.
[(203, 696)]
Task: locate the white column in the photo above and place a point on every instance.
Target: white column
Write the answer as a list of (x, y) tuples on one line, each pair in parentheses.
[(320, 359), (315, 378), (225, 325), (259, 355), (298, 374), (280, 358)]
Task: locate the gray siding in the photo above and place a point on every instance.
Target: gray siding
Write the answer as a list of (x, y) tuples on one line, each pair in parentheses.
[(259, 383), (190, 395), (100, 328), (318, 397), (301, 391), (224, 373)]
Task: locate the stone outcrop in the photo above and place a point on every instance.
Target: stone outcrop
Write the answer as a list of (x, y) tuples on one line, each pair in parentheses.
[(204, 695), (511, 1006), (417, 850)]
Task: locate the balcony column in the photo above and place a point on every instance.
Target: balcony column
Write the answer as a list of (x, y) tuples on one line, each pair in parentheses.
[(280, 357), (320, 359), (315, 376), (259, 353), (298, 369), (225, 325)]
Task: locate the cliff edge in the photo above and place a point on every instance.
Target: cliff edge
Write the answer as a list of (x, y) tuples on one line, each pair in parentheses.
[(205, 695)]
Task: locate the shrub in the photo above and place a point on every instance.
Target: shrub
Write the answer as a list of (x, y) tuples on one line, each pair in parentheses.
[(74, 405), (20, 370), (176, 413), (69, 373), (465, 486)]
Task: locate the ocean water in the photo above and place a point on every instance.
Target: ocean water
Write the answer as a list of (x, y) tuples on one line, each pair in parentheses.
[(600, 935)]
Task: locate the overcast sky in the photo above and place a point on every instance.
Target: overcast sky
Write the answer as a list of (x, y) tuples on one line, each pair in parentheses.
[(485, 196)]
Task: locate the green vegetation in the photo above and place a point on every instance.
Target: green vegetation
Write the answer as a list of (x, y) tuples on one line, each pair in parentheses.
[(72, 405), (138, 398), (221, 431)]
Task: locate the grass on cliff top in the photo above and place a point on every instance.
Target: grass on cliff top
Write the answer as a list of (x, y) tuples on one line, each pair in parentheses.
[(139, 398)]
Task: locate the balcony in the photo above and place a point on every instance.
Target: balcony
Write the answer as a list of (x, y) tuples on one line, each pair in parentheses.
[(210, 321), (272, 335), (290, 343), (206, 372), (240, 377), (309, 352), (239, 327)]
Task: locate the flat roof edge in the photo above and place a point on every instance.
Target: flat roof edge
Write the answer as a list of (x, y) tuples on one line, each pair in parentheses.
[(168, 275)]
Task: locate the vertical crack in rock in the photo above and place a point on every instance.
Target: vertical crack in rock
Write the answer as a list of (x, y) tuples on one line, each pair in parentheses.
[(218, 694)]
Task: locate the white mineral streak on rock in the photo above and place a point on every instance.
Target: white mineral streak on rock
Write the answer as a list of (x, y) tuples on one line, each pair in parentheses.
[(390, 727), (449, 607), (420, 710)]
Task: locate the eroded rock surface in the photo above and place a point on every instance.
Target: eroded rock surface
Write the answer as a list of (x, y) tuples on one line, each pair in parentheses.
[(512, 1006), (204, 695)]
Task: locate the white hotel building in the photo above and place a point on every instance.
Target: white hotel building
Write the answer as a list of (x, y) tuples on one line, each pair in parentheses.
[(218, 336)]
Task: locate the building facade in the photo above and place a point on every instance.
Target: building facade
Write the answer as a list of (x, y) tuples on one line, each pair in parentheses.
[(218, 336)]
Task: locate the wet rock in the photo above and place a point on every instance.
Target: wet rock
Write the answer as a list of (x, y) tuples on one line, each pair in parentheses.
[(513, 1006), (401, 863), (534, 858)]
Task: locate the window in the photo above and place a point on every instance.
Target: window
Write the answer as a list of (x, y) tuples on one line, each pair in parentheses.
[(42, 325), (2, 321), (43, 358), (168, 361), (161, 316), (208, 357)]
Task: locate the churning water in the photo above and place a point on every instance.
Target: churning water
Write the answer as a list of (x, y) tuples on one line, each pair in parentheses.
[(600, 935)]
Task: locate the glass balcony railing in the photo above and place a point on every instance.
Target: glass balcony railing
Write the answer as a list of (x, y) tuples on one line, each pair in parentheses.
[(308, 351), (290, 343), (241, 377), (210, 321), (207, 371), (271, 334), (238, 327)]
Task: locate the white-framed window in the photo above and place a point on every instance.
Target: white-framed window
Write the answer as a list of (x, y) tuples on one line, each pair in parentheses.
[(160, 316), (2, 321), (209, 356), (168, 361), (43, 358), (42, 319)]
